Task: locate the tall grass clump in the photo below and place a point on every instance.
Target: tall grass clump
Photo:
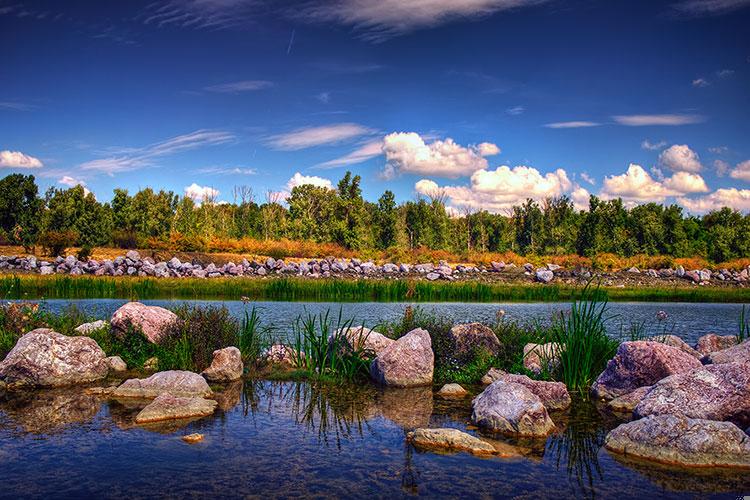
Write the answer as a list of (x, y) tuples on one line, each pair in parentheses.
[(253, 337), (584, 346), (744, 325)]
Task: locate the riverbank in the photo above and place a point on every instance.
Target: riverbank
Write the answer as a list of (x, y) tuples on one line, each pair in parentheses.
[(280, 288)]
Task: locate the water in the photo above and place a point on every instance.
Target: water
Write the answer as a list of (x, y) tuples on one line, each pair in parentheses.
[(687, 320), (289, 439)]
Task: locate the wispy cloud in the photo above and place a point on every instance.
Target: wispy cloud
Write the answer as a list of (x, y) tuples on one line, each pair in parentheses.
[(344, 68), (515, 110), (572, 124), (725, 73), (666, 120), (363, 153), (200, 14), (308, 137), (227, 171), (710, 7), (653, 146), (15, 106), (127, 159), (17, 159), (701, 82), (237, 87), (324, 97)]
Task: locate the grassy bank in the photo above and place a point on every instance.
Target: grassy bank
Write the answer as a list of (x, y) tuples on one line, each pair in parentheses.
[(338, 290)]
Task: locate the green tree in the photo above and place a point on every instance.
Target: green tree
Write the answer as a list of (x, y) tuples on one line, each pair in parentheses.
[(20, 209)]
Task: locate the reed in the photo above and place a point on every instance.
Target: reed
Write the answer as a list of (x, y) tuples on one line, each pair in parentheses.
[(744, 325)]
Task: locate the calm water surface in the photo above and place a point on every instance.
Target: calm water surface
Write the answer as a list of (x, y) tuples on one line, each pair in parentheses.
[(285, 439), (688, 320)]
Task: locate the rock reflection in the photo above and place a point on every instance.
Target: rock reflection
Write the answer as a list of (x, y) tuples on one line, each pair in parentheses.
[(408, 408), (229, 395), (49, 411)]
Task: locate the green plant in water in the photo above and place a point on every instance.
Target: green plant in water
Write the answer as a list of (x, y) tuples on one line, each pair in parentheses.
[(253, 338), (744, 324)]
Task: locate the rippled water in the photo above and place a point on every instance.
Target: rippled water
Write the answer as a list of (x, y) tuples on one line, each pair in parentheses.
[(285, 439), (688, 320)]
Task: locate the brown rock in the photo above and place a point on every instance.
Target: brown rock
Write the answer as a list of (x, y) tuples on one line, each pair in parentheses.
[(469, 339), (408, 362), (492, 375), (739, 353), (682, 441), (116, 364), (452, 391), (45, 358), (167, 406), (715, 392), (360, 339), (151, 320), (639, 364), (226, 365), (675, 341), (511, 408), (449, 440), (193, 438), (712, 343), (554, 395), (627, 402), (280, 354), (537, 356), (175, 382)]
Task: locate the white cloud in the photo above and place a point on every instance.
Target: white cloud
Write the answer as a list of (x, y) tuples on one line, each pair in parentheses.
[(134, 158), (653, 120), (498, 190), (363, 153), (725, 73), (324, 97), (69, 181), (237, 87), (573, 124), (16, 159), (721, 167), (652, 146), (710, 7), (382, 19), (719, 150), (586, 177), (638, 186), (738, 199), (201, 193), (515, 110), (407, 152), (300, 180), (200, 14), (700, 82), (741, 171), (307, 137), (227, 171), (580, 197), (680, 157)]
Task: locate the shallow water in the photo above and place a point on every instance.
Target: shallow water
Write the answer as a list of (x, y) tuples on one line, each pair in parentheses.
[(286, 439), (688, 320)]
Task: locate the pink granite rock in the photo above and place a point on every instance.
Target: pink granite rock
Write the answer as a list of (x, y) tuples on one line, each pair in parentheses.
[(175, 382), (408, 362), (739, 353), (151, 320), (554, 395), (226, 365), (471, 338), (712, 343), (511, 408), (360, 339)]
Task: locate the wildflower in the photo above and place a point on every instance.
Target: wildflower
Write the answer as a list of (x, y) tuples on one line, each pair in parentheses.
[(661, 315)]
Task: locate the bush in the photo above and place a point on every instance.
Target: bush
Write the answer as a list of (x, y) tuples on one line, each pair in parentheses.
[(84, 253), (125, 239), (55, 243)]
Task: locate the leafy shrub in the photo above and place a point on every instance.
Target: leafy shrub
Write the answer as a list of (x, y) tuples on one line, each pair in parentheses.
[(125, 239), (55, 243), (84, 253)]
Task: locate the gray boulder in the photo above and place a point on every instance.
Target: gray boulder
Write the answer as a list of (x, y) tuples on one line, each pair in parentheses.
[(408, 362), (449, 440), (511, 408), (226, 365), (167, 406)]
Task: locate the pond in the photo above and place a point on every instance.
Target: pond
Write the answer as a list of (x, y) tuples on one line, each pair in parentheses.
[(687, 320), (290, 439)]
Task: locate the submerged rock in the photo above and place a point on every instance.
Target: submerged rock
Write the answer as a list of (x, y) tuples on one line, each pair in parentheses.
[(682, 441), (714, 392), (45, 358), (408, 362), (511, 408), (449, 440), (452, 391), (469, 339), (175, 382), (167, 406), (151, 320), (712, 343), (639, 364), (226, 365)]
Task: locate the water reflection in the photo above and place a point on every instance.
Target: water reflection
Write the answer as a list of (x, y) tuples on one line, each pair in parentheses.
[(48, 412)]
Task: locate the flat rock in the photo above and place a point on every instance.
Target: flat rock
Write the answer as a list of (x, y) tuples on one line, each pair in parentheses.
[(452, 391), (151, 320), (511, 408), (714, 392), (226, 365), (683, 441), (167, 406), (712, 343), (449, 440), (45, 358), (408, 362), (627, 402), (469, 339), (175, 382), (639, 364), (739, 353), (360, 339)]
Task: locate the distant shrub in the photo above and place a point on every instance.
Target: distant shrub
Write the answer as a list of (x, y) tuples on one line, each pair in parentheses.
[(84, 253), (125, 239), (55, 243)]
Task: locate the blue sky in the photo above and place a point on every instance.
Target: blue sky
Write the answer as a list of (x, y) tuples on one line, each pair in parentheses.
[(486, 101)]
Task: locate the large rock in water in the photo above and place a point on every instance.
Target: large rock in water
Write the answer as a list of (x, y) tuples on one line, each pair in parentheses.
[(627, 402), (714, 392), (175, 382), (638, 364), (45, 358), (511, 408), (540, 357), (554, 395), (408, 362), (449, 440), (682, 441), (711, 343), (170, 407), (739, 353), (226, 365), (472, 338), (359, 339), (151, 320)]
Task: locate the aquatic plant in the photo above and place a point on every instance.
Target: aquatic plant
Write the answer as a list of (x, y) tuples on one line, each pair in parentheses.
[(744, 325), (253, 337)]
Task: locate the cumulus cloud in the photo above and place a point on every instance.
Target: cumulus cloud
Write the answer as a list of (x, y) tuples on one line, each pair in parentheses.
[(638, 186), (738, 199), (498, 190), (237, 87), (308, 137), (652, 146), (680, 158), (652, 120), (67, 180), (363, 153), (741, 171), (201, 193), (407, 152), (300, 180), (572, 124), (16, 159)]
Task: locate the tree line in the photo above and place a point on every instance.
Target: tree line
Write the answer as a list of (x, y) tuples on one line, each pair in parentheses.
[(73, 217)]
